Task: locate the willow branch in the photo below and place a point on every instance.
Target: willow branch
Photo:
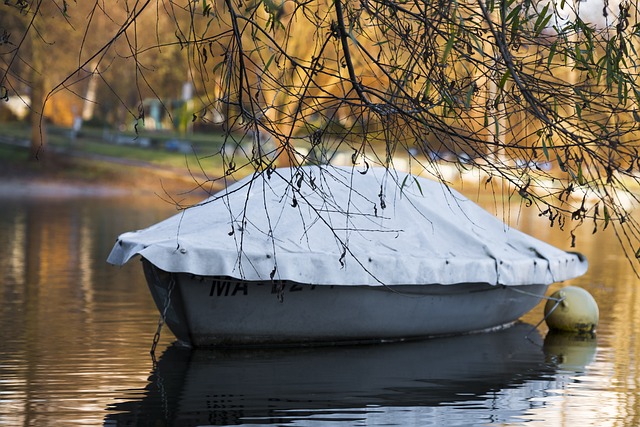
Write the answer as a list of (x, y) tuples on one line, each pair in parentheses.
[(342, 32)]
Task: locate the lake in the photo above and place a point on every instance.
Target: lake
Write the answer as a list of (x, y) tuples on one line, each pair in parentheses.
[(76, 334)]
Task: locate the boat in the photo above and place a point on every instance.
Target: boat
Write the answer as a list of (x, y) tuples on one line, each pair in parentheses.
[(325, 254)]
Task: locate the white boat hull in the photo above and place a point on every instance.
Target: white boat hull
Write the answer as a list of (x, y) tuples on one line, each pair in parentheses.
[(219, 311)]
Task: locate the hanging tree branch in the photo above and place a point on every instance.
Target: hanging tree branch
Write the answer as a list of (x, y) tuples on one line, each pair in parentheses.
[(529, 96)]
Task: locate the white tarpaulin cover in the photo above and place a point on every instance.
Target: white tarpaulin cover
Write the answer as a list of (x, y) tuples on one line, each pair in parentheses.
[(336, 226)]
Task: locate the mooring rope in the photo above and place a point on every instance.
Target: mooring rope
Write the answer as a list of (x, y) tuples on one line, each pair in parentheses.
[(557, 303), (163, 314)]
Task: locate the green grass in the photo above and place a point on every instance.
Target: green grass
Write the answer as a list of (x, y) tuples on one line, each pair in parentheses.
[(98, 162), (12, 154), (91, 141), (150, 155)]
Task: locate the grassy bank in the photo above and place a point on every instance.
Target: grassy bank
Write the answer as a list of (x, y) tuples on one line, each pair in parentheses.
[(89, 160), (160, 148)]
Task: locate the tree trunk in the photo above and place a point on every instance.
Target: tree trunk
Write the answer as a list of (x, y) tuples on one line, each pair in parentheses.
[(37, 150)]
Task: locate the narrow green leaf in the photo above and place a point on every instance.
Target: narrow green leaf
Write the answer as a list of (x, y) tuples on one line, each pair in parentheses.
[(266, 66), (404, 181), (552, 52), (515, 26), (206, 9), (206, 29), (504, 79), (623, 92), (514, 13), (580, 177), (448, 47), (419, 186), (545, 150), (469, 97), (218, 65), (542, 20), (427, 91)]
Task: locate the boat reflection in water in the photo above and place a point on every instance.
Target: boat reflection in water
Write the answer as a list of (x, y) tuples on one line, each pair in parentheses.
[(406, 383)]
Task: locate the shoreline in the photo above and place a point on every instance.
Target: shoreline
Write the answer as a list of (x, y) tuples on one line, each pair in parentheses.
[(30, 187), (64, 177)]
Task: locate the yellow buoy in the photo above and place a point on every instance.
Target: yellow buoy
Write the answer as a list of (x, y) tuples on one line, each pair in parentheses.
[(572, 309)]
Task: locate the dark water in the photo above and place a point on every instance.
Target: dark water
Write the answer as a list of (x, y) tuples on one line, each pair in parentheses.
[(75, 335)]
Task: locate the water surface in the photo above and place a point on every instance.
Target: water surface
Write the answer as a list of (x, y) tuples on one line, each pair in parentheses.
[(76, 333)]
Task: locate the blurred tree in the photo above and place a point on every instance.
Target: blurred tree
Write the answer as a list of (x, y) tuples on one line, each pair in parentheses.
[(24, 52), (52, 49)]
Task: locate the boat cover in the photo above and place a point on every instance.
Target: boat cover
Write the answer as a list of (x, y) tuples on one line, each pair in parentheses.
[(339, 226)]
